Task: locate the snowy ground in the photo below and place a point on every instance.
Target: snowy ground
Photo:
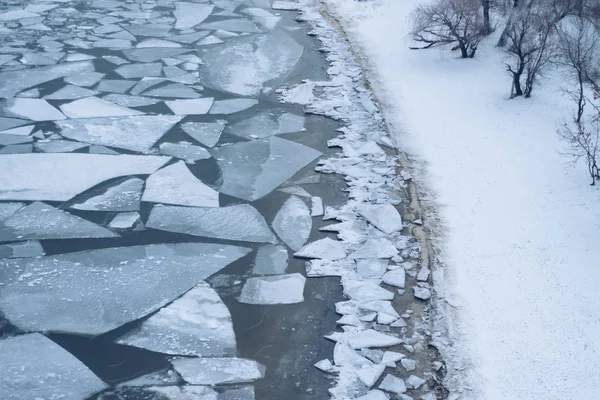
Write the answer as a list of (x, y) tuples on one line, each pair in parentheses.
[(518, 229)]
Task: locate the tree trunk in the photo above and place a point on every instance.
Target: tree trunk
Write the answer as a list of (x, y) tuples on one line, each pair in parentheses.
[(463, 50), (487, 28), (517, 84), (580, 99)]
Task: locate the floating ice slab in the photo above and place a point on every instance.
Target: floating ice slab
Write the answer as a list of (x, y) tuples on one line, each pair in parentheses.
[(373, 395), (271, 260), (196, 324), (7, 140), (231, 106), (165, 377), (41, 221), (158, 30), (372, 338), (247, 63), (251, 170), (316, 207), (175, 184), (84, 78), (17, 14), (375, 248), (238, 222), (126, 220), (218, 371), (344, 355), (91, 107), (17, 149), (422, 293), (136, 133), (190, 37), (393, 384), (184, 392), (285, 5), (115, 85), (363, 291), (8, 123), (231, 25), (21, 131), (120, 284), (59, 146), (156, 43), (324, 248), (267, 124), (130, 101), (33, 109), (263, 17), (184, 151), (152, 54), (189, 15), (414, 382), (34, 367), (8, 209), (293, 223), (178, 90), (209, 40), (242, 393), (125, 196), (395, 277), (114, 44), (369, 374), (71, 92), (385, 217), (62, 176), (277, 289), (207, 133), (371, 268), (190, 107), (139, 70), (316, 268), (31, 248)]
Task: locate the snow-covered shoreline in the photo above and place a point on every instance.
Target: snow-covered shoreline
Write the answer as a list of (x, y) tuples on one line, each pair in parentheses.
[(517, 228)]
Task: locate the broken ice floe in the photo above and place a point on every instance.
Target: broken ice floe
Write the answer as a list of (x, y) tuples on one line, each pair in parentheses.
[(189, 107), (33, 109), (189, 15), (125, 196), (253, 169), (165, 377), (369, 374), (393, 384), (175, 184), (371, 394), (414, 382), (218, 371), (91, 107), (395, 277), (271, 260), (364, 290), (59, 146), (324, 248), (232, 25), (41, 221), (371, 268), (135, 133), (123, 221), (267, 124), (293, 223), (31, 248), (207, 133), (139, 70), (277, 289), (62, 176), (88, 78), (237, 222), (231, 106), (384, 216), (375, 248), (422, 293), (198, 323), (184, 151), (34, 367), (184, 392), (70, 92), (115, 85), (316, 206), (130, 101), (342, 267), (191, 103), (121, 284)]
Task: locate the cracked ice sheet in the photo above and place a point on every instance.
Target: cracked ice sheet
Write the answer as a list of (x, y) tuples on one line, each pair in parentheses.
[(267, 124), (216, 371), (189, 15), (276, 289), (175, 184), (62, 176), (34, 367), (125, 196), (120, 284), (251, 170), (135, 133), (91, 107), (293, 223), (270, 260), (238, 222), (196, 324), (41, 221), (33, 109), (247, 63)]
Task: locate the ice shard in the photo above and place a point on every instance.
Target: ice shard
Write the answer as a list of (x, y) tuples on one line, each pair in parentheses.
[(275, 289), (189, 15), (33, 109), (271, 260), (184, 151), (218, 371), (267, 124), (293, 223), (125, 196), (207, 133), (91, 107)]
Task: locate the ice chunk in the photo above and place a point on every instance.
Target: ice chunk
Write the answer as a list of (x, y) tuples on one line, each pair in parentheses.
[(31, 248), (190, 37), (251, 170), (152, 54), (293, 223), (70, 92), (218, 371), (175, 184), (115, 85), (207, 133), (136, 133), (263, 17), (271, 260), (408, 364), (372, 338), (139, 70), (385, 217), (17, 14), (267, 124), (165, 377), (371, 268), (21, 131), (33, 109), (190, 107), (241, 393), (324, 248), (126, 220), (316, 206), (6, 140), (414, 382), (371, 394), (122, 197), (363, 291), (178, 90), (8, 123), (285, 5), (61, 176), (84, 78), (113, 44), (325, 366), (156, 43), (184, 151), (277, 289), (158, 30), (316, 268), (375, 248), (423, 274), (231, 25), (189, 15), (209, 40), (369, 374), (130, 101), (120, 284), (8, 209), (184, 392), (249, 62), (395, 277), (196, 324), (34, 367), (231, 106), (59, 146), (91, 107), (393, 384), (41, 221), (422, 293), (390, 357), (381, 306), (295, 190), (344, 355), (238, 222)]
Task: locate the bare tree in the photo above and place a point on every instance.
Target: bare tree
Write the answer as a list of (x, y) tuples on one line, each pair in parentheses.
[(583, 142), (486, 28), (448, 22)]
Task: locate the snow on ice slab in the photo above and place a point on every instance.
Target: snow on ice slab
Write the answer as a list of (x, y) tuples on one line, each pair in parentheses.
[(124, 221), (217, 371), (238, 222), (316, 268), (41, 221), (395, 277), (369, 374), (365, 291), (189, 15), (135, 133), (393, 384), (190, 107), (196, 324), (247, 63), (293, 223), (33, 109), (271, 260), (34, 367), (277, 289), (96, 291), (371, 338), (253, 169), (125, 196), (62, 176), (385, 217), (323, 248), (375, 248), (207, 133), (91, 107), (175, 184)]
